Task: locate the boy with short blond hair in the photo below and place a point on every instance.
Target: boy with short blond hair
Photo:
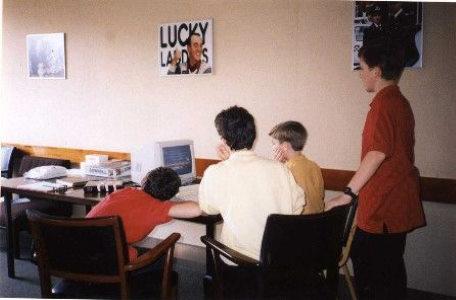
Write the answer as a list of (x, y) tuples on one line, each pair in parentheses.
[(289, 139)]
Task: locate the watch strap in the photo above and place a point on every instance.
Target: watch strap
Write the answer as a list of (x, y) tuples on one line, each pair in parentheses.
[(348, 191)]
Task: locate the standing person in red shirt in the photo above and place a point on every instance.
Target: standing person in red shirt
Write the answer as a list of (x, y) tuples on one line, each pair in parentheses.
[(143, 209), (387, 180)]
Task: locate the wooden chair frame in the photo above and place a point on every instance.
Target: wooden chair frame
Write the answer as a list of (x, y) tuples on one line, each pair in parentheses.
[(166, 247), (344, 260)]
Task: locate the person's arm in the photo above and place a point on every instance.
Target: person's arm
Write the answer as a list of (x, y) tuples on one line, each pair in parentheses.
[(187, 209), (208, 194), (367, 168), (172, 69)]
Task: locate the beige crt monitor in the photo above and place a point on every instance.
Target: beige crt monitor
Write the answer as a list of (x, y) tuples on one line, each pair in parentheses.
[(177, 155)]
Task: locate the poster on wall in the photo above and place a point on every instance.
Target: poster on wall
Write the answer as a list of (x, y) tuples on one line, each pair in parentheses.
[(186, 48), (46, 55), (397, 22)]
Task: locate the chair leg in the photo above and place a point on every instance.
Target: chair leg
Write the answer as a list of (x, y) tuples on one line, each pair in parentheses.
[(45, 283), (166, 286), (217, 287), (349, 282), (17, 250), (124, 290), (174, 292)]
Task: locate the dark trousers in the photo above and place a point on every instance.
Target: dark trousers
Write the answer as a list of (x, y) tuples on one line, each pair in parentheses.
[(378, 263)]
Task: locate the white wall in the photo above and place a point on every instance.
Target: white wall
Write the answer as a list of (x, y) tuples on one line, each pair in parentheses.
[(280, 59)]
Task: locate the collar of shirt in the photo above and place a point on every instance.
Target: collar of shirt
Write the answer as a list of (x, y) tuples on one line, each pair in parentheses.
[(243, 153), (384, 93), (297, 158)]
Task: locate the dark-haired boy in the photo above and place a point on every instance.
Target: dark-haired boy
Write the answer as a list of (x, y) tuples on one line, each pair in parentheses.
[(245, 188), (386, 180), (289, 139), (143, 209)]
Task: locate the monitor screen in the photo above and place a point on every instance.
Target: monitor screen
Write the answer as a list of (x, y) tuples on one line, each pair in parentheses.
[(178, 158), (177, 155)]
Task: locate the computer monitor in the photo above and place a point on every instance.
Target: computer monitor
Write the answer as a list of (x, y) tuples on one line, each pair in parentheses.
[(177, 155)]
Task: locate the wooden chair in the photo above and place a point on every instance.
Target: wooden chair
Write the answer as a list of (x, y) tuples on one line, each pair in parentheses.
[(91, 255), (299, 259)]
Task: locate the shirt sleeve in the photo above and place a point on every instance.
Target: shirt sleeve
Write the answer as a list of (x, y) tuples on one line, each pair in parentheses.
[(162, 212), (206, 199), (382, 135), (297, 195)]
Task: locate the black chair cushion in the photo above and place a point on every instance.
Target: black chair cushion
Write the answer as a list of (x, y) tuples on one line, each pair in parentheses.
[(142, 286), (244, 283), (18, 208), (240, 283)]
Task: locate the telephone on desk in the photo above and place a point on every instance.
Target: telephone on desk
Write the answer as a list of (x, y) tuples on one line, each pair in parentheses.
[(46, 172)]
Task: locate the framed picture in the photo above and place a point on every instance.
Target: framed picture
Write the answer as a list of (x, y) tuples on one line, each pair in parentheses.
[(46, 56), (399, 22), (185, 48)]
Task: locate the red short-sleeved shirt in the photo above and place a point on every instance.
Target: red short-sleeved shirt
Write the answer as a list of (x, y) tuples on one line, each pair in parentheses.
[(140, 213), (391, 197)]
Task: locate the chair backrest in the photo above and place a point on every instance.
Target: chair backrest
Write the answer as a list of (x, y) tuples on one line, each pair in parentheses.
[(29, 162), (304, 243), (79, 249), (7, 157)]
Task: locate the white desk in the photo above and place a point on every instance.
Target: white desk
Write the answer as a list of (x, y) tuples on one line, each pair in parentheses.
[(190, 232)]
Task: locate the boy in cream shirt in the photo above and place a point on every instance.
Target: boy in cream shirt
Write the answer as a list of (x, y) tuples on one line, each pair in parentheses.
[(245, 188), (288, 141)]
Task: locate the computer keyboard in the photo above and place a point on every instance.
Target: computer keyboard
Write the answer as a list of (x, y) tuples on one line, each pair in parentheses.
[(188, 192)]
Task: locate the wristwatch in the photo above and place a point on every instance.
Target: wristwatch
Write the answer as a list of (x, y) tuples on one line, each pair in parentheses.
[(348, 191)]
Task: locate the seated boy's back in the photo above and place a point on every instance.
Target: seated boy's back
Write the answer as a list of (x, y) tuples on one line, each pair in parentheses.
[(139, 211), (245, 189), (308, 176), (143, 209)]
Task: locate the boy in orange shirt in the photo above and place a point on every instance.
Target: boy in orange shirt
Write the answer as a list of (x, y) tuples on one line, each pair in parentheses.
[(288, 141), (143, 209)]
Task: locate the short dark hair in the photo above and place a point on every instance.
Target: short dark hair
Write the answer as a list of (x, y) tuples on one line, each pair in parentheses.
[(188, 41), (290, 131), (386, 55), (161, 183), (237, 126)]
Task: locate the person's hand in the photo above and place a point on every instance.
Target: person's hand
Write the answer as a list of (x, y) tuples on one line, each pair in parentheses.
[(223, 151), (337, 201), (176, 57), (278, 153)]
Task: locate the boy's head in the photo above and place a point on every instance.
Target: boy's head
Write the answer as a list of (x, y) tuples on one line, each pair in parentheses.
[(237, 127), (292, 132), (161, 183), (383, 57)]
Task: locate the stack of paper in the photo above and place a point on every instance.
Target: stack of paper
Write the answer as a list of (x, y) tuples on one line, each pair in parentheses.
[(41, 186)]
